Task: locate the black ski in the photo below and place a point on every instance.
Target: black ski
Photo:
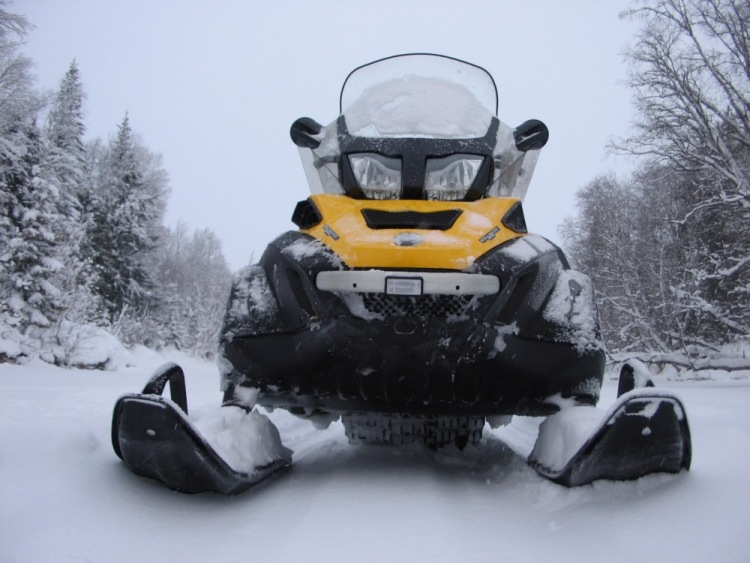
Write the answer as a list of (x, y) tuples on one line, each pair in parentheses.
[(154, 438), (645, 432)]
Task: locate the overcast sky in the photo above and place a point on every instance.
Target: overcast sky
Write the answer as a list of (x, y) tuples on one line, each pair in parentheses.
[(213, 86)]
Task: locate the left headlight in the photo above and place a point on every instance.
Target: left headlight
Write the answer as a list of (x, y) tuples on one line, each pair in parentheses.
[(378, 176)]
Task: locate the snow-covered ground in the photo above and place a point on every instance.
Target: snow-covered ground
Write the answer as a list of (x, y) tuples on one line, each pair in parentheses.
[(65, 496)]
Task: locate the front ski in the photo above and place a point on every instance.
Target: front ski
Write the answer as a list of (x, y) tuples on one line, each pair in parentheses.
[(154, 438), (644, 432)]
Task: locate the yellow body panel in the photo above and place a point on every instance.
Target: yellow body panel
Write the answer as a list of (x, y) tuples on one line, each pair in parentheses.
[(477, 230)]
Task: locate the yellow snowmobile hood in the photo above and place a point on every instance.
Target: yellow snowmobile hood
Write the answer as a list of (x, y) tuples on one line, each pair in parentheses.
[(411, 234)]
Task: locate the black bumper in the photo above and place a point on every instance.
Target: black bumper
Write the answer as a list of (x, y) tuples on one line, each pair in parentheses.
[(309, 350), (407, 365)]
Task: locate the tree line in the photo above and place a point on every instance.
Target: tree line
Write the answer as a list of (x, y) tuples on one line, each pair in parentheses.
[(82, 238), (668, 246)]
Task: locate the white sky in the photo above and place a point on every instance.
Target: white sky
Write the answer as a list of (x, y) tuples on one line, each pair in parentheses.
[(214, 85)]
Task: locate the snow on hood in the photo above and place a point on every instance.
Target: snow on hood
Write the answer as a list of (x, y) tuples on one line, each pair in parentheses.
[(418, 106)]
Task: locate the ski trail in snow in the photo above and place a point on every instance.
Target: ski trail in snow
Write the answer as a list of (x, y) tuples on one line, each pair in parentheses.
[(66, 496)]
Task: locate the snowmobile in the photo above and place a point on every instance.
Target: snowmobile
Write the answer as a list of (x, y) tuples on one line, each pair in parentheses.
[(411, 303)]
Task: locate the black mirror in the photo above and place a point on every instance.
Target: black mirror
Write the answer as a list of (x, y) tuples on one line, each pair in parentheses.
[(531, 135), (305, 133)]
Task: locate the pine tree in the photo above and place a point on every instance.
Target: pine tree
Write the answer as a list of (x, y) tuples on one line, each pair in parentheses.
[(65, 128), (29, 298), (65, 166), (81, 227), (126, 226), (28, 250)]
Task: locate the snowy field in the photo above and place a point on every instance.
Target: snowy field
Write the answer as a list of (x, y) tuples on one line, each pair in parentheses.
[(65, 496)]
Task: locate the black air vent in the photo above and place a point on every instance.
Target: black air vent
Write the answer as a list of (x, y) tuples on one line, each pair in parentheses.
[(306, 215), (436, 220), (515, 220)]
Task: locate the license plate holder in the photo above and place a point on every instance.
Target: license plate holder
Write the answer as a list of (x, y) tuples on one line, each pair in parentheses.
[(406, 286)]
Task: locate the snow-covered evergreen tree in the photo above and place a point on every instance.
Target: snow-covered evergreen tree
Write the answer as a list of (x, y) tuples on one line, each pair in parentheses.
[(29, 299), (28, 218), (81, 230), (126, 228), (65, 129), (65, 166)]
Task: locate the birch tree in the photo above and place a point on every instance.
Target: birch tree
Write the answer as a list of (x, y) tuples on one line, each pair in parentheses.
[(690, 73), (689, 69)]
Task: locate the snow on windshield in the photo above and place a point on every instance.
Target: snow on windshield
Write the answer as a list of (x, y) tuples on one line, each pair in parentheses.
[(474, 78), (422, 96), (418, 106)]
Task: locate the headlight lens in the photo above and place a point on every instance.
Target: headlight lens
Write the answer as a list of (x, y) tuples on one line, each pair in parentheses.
[(450, 178), (378, 176)]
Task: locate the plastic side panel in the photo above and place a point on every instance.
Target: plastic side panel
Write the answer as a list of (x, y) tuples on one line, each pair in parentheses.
[(252, 306)]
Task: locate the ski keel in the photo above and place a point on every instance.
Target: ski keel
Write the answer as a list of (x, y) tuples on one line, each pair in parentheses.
[(154, 438), (644, 432)]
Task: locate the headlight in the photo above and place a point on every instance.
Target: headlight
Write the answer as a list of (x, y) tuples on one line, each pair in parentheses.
[(450, 178), (378, 176)]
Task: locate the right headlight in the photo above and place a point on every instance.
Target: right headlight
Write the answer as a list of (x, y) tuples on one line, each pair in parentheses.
[(450, 178)]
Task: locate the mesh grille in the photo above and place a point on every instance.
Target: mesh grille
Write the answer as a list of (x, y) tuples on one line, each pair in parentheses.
[(422, 306), (437, 220)]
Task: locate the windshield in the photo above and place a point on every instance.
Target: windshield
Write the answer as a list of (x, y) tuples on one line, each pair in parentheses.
[(410, 98), (419, 96)]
